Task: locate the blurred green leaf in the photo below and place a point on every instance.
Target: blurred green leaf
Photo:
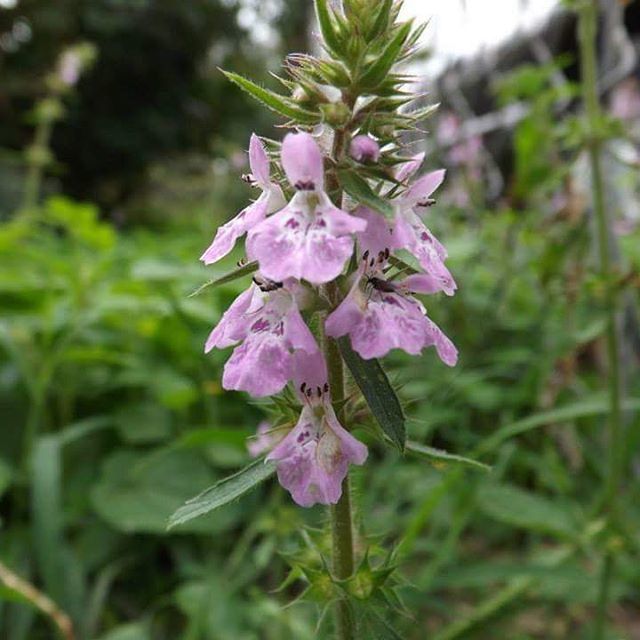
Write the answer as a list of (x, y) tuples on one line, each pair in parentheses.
[(132, 631), (223, 492), (378, 392), (442, 459), (138, 493), (518, 508)]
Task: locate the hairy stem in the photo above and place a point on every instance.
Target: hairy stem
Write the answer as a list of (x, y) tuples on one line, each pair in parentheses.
[(589, 67)]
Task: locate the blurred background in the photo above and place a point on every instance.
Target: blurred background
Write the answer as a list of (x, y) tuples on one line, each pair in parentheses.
[(121, 151)]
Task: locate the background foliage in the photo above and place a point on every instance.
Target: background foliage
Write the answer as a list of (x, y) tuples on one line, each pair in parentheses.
[(111, 415)]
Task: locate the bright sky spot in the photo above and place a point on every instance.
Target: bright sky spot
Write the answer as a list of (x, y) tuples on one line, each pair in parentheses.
[(460, 28)]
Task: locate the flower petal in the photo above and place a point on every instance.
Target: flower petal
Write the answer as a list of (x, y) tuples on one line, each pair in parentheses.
[(228, 233), (378, 235), (407, 169), (298, 333), (445, 348), (423, 187), (302, 162), (259, 162), (261, 365), (234, 324)]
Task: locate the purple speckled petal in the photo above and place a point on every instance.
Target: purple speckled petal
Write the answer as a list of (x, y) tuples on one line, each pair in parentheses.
[(302, 162), (310, 369), (445, 348), (313, 459), (304, 241), (427, 283)]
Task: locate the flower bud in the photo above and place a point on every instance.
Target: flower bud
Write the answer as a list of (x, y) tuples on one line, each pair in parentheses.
[(364, 149)]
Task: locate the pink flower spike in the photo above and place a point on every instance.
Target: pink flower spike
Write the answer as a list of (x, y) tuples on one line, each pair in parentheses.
[(313, 459), (364, 149), (302, 162), (270, 200)]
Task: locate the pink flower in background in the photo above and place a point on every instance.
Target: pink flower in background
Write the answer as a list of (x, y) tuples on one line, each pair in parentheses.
[(69, 68), (411, 233), (266, 320), (313, 459), (270, 200), (364, 149), (625, 100), (383, 315), (310, 238)]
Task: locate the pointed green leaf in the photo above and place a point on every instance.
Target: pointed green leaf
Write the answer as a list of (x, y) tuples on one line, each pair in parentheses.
[(441, 458), (240, 272), (378, 392), (328, 28), (380, 67), (274, 101), (382, 20), (223, 492), (358, 188)]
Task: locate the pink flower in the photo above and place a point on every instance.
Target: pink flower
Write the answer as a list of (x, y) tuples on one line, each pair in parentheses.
[(266, 321), (412, 234), (265, 439), (310, 238), (383, 315), (69, 68), (364, 149), (313, 459), (270, 200)]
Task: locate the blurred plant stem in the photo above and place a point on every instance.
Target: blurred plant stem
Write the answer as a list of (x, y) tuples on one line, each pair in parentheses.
[(39, 600), (37, 160), (588, 21)]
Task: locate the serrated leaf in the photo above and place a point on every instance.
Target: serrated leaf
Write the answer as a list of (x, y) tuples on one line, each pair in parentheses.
[(274, 101), (378, 393), (440, 458), (359, 189), (236, 274), (379, 69), (223, 492)]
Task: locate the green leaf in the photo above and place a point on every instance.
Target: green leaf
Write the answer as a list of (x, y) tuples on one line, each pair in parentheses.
[(382, 20), (443, 459), (46, 506), (378, 392), (274, 101), (516, 507), (358, 188), (372, 624), (581, 409), (487, 610), (137, 493), (328, 28), (223, 492), (378, 70), (236, 274), (6, 476)]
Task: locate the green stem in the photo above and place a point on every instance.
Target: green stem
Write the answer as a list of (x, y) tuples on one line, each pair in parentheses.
[(589, 69), (33, 180), (341, 518)]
